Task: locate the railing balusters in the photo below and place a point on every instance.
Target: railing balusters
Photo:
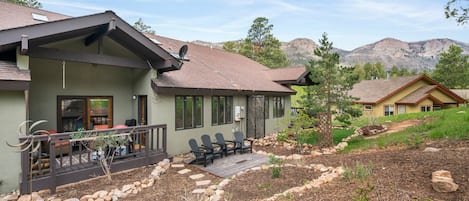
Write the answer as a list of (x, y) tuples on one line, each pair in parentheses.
[(144, 136)]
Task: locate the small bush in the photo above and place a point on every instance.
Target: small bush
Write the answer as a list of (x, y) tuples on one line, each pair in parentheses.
[(361, 194), (277, 166), (360, 173)]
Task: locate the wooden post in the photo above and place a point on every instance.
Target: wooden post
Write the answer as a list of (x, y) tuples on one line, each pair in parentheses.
[(53, 174)]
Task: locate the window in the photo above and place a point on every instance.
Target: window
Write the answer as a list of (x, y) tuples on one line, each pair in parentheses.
[(367, 107), (279, 106), (266, 107), (425, 108), (88, 112), (401, 109), (189, 112), (222, 110), (388, 110), (436, 107)]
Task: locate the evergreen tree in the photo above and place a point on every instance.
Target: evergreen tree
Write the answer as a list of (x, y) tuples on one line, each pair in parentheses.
[(29, 3), (260, 45), (452, 70), (142, 27), (334, 82), (458, 9)]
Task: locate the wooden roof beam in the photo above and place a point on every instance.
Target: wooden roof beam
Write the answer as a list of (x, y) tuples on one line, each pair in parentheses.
[(56, 54), (111, 26)]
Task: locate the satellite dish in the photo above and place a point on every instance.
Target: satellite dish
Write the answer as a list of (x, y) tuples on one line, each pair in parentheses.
[(183, 51)]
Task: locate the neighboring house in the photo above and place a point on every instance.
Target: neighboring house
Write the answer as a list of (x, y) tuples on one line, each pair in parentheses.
[(464, 93), (98, 71), (403, 95)]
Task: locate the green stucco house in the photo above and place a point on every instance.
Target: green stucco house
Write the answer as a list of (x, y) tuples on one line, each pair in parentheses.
[(98, 72)]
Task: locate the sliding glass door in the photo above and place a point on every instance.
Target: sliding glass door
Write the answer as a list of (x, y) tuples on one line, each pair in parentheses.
[(75, 112)]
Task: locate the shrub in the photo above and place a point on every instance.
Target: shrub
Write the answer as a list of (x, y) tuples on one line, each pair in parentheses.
[(277, 166)]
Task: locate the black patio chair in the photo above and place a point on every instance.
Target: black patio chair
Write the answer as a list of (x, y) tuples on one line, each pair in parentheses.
[(240, 142), (200, 154), (227, 146), (208, 145)]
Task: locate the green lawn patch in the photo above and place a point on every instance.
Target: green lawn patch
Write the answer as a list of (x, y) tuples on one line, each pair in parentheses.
[(452, 124), (339, 134)]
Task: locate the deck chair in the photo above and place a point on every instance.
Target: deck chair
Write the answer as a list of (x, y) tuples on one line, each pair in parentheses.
[(208, 145), (227, 146), (200, 155), (240, 142)]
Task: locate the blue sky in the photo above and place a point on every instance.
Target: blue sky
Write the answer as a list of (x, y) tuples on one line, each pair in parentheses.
[(349, 23)]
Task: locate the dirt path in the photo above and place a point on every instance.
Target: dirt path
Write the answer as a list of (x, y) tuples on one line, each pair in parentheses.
[(399, 126)]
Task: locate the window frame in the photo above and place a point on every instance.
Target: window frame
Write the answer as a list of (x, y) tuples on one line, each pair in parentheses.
[(195, 101), (425, 108), (87, 116), (389, 111), (222, 117), (365, 107), (278, 103)]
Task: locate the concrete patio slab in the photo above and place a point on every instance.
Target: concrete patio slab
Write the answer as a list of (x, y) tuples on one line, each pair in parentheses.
[(228, 166)]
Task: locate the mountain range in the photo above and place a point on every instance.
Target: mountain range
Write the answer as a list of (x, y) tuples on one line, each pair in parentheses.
[(415, 56)]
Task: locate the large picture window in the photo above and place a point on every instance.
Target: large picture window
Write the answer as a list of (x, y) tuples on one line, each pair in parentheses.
[(189, 112), (222, 110), (388, 110), (87, 112), (279, 106)]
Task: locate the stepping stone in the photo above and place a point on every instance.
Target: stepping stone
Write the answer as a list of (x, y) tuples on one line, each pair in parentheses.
[(202, 183), (196, 176), (177, 165), (184, 171), (198, 191)]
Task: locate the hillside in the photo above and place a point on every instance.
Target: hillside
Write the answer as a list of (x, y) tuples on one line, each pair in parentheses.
[(419, 56)]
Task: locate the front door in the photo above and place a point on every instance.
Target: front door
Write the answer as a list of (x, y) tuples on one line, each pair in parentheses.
[(255, 117)]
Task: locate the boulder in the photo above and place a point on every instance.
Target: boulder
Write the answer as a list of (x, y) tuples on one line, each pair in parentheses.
[(443, 182)]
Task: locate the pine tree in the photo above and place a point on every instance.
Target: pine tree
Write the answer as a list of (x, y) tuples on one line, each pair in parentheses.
[(452, 70), (29, 3), (260, 45), (333, 83), (142, 27)]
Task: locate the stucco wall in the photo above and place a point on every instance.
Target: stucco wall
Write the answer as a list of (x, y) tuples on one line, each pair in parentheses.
[(80, 80), (163, 112), (13, 113)]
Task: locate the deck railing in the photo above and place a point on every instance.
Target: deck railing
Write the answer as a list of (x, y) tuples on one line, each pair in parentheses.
[(65, 159)]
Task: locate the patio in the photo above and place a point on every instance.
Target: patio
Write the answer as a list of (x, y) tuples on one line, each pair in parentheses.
[(231, 165)]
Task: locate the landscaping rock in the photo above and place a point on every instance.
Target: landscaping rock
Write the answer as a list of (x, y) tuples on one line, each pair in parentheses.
[(197, 176), (10, 197), (107, 198), (431, 149), (165, 164), (202, 183), (184, 171), (443, 182), (100, 194), (198, 191), (209, 192), (127, 187), (87, 197), (72, 199), (180, 165)]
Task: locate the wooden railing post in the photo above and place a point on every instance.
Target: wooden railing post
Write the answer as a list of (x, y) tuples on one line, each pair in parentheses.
[(25, 167), (53, 174), (164, 138)]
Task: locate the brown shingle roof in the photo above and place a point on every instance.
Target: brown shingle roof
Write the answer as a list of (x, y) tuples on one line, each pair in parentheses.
[(13, 15), (287, 74), (215, 69), (464, 93), (417, 95), (9, 72), (372, 91)]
